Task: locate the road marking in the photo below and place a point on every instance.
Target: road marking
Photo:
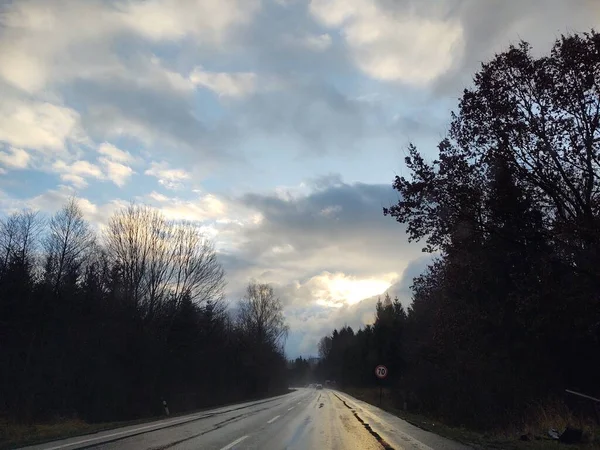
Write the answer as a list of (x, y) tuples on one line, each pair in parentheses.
[(188, 418), (273, 419), (289, 409), (234, 443)]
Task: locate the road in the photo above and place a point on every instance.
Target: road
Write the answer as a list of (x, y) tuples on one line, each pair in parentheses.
[(302, 420)]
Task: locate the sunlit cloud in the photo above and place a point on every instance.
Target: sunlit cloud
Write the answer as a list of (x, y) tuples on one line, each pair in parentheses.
[(339, 289)]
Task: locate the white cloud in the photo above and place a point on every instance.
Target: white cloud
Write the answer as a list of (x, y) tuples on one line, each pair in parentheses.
[(169, 178), (209, 20), (158, 197), (77, 172), (76, 180), (52, 200), (337, 289), (116, 172), (205, 207), (239, 84), (15, 158), (114, 153), (48, 40), (208, 207), (402, 47), (38, 125)]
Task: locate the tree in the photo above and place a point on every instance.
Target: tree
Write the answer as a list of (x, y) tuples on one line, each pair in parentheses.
[(261, 315), (114, 325), (161, 260), (511, 204), (67, 245)]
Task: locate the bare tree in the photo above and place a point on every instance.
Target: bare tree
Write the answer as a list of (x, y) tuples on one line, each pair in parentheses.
[(127, 241), (19, 234), (160, 259), (9, 229), (198, 274), (261, 315), (67, 244)]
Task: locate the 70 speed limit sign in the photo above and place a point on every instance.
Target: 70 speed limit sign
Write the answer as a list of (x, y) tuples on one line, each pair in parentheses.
[(381, 372)]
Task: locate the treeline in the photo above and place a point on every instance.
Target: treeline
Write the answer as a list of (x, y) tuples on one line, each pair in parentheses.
[(105, 326), (508, 314)]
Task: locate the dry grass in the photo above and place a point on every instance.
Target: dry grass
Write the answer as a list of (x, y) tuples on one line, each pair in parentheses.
[(13, 435), (539, 420)]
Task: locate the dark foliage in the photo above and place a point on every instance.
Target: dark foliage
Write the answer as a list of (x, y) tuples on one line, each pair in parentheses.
[(509, 312), (107, 331)]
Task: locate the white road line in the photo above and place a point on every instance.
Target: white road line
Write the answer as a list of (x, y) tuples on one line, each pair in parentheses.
[(289, 409), (122, 432), (272, 420), (234, 443)]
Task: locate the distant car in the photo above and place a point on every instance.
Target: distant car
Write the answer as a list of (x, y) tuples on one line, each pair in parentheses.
[(319, 386)]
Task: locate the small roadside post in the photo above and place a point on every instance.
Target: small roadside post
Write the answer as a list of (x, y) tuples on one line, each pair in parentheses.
[(381, 372)]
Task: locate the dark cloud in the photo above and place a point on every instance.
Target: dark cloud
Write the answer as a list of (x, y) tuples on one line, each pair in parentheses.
[(336, 228), (315, 113)]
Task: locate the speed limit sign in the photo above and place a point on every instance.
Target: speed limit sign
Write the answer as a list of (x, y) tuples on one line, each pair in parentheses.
[(381, 371)]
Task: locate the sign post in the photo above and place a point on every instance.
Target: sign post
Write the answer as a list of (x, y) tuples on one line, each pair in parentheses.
[(380, 372)]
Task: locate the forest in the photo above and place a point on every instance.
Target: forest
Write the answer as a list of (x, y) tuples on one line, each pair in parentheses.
[(507, 315), (106, 325)]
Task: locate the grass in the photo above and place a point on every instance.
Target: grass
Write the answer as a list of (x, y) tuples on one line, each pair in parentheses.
[(542, 418), (14, 435)]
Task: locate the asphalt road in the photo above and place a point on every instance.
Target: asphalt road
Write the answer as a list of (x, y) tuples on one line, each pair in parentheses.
[(302, 420)]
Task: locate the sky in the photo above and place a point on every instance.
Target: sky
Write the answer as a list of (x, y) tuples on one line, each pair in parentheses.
[(276, 125)]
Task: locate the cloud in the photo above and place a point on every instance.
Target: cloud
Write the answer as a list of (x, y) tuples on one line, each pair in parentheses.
[(403, 47), (44, 41), (238, 84), (318, 116), (66, 50), (15, 158), (158, 197), (52, 200), (204, 208), (77, 172), (116, 172), (316, 43), (167, 177), (115, 154), (210, 20), (42, 126), (294, 242)]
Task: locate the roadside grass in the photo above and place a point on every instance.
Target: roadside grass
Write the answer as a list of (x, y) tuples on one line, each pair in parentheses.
[(15, 435), (542, 419)]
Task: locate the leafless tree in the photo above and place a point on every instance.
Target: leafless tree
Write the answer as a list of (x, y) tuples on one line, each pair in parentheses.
[(68, 243), (8, 238), (160, 259), (261, 314), (127, 241), (19, 234), (198, 274)]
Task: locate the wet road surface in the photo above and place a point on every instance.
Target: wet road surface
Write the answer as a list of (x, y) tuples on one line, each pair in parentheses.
[(302, 420)]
